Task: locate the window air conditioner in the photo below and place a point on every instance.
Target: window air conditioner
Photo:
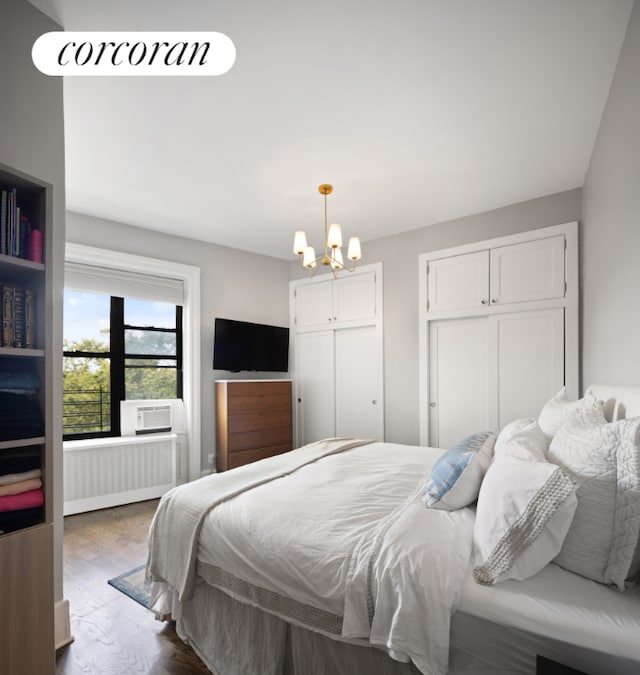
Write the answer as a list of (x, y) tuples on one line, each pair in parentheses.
[(153, 418)]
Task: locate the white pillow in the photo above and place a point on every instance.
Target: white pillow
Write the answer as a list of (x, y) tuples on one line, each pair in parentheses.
[(556, 411), (523, 439), (524, 511), (455, 478), (604, 459)]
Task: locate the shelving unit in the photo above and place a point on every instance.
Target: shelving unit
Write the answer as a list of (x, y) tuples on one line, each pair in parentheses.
[(26, 550)]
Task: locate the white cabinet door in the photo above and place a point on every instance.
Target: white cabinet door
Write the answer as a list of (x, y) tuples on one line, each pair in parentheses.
[(313, 304), (458, 379), (533, 270), (359, 406), (354, 297), (528, 361), (458, 282), (315, 386)]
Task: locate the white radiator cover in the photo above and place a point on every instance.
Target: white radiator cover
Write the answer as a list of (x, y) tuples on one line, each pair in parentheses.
[(99, 473)]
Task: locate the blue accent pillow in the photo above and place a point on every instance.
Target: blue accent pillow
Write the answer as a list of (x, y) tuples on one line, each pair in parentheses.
[(455, 478)]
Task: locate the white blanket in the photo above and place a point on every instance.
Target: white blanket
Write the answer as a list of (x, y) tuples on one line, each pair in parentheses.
[(173, 537), (360, 548)]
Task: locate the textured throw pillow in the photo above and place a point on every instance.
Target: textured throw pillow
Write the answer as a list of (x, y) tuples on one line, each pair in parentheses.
[(524, 511), (522, 439), (604, 459), (556, 411), (455, 478)]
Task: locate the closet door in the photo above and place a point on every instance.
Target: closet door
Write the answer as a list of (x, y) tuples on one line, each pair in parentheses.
[(315, 386), (359, 407), (532, 270), (458, 282), (354, 298), (313, 304), (527, 361), (458, 379)]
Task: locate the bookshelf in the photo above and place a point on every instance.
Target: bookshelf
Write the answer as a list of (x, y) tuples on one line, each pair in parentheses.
[(26, 359)]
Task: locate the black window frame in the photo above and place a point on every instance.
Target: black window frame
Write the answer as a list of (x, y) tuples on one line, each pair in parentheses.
[(118, 357)]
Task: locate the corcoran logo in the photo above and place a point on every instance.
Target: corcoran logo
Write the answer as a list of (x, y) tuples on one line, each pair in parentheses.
[(133, 53)]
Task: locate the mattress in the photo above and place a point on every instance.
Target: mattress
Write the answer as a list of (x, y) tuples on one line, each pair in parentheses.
[(576, 621)]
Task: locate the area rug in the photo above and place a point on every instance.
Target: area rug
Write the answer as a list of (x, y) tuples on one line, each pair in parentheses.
[(131, 583)]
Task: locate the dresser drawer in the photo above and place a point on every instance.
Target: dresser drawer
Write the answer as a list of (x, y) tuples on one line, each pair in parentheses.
[(249, 440), (247, 456), (262, 403), (258, 421)]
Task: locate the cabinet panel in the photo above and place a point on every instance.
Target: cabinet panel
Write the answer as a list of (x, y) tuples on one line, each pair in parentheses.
[(355, 297), (458, 379), (529, 357), (313, 304), (458, 282), (26, 598), (358, 396), (533, 270), (315, 386)]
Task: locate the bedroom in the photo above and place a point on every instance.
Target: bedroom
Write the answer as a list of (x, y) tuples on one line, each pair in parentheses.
[(602, 197)]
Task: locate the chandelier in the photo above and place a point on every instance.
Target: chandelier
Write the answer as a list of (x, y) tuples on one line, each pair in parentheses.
[(332, 255)]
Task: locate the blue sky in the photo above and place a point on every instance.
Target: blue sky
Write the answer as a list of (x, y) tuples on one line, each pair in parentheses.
[(86, 314)]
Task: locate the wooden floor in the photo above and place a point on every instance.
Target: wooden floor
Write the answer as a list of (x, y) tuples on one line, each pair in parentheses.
[(113, 634)]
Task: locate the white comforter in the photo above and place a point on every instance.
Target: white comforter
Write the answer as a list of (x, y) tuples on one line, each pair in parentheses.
[(348, 535)]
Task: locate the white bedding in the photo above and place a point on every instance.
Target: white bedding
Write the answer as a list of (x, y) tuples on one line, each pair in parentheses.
[(361, 548)]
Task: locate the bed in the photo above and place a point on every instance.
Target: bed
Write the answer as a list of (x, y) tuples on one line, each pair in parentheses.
[(326, 560)]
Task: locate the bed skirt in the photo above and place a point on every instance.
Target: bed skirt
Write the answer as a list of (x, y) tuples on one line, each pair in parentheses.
[(233, 638)]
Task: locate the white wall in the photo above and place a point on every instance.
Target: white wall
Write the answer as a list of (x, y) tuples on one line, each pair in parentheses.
[(611, 230), (399, 256), (32, 141), (233, 284)]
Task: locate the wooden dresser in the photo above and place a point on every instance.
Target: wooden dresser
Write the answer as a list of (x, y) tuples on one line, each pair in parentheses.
[(253, 420)]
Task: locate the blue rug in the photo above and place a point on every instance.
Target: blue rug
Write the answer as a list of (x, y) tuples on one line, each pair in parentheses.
[(131, 583)]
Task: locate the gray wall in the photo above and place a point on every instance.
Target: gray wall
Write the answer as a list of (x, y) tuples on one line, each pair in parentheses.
[(32, 141), (233, 284), (399, 256), (611, 230)]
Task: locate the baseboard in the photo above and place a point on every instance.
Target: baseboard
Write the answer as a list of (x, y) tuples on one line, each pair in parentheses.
[(62, 624)]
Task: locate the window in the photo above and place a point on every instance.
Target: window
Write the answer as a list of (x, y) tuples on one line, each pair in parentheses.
[(116, 349)]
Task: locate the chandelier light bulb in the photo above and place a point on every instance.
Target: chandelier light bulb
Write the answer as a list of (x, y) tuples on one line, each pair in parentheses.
[(299, 242)]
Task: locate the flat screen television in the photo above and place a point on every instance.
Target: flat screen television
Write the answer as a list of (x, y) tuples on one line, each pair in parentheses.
[(240, 345)]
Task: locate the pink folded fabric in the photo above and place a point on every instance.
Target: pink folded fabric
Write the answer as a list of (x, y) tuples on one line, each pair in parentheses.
[(8, 478), (22, 486), (25, 500)]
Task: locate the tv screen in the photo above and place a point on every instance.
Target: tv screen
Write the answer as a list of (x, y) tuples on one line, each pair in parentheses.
[(240, 345)]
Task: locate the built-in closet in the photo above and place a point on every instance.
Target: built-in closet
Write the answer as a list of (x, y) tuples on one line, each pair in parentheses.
[(498, 331), (336, 329)]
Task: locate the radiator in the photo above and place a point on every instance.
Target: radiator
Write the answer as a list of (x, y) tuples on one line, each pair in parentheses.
[(99, 473)]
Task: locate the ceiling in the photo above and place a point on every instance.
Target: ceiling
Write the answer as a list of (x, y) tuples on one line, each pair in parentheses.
[(417, 111)]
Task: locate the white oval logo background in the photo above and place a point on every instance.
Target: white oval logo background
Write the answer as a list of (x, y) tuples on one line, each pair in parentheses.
[(133, 53)]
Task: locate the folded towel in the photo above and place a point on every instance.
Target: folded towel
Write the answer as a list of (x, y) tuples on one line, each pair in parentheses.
[(21, 486), (25, 500), (9, 478)]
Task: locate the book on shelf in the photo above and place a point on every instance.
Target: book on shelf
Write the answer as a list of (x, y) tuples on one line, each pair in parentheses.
[(18, 236), (18, 316)]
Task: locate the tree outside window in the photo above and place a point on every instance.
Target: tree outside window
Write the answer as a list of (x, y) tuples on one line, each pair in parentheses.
[(116, 349)]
